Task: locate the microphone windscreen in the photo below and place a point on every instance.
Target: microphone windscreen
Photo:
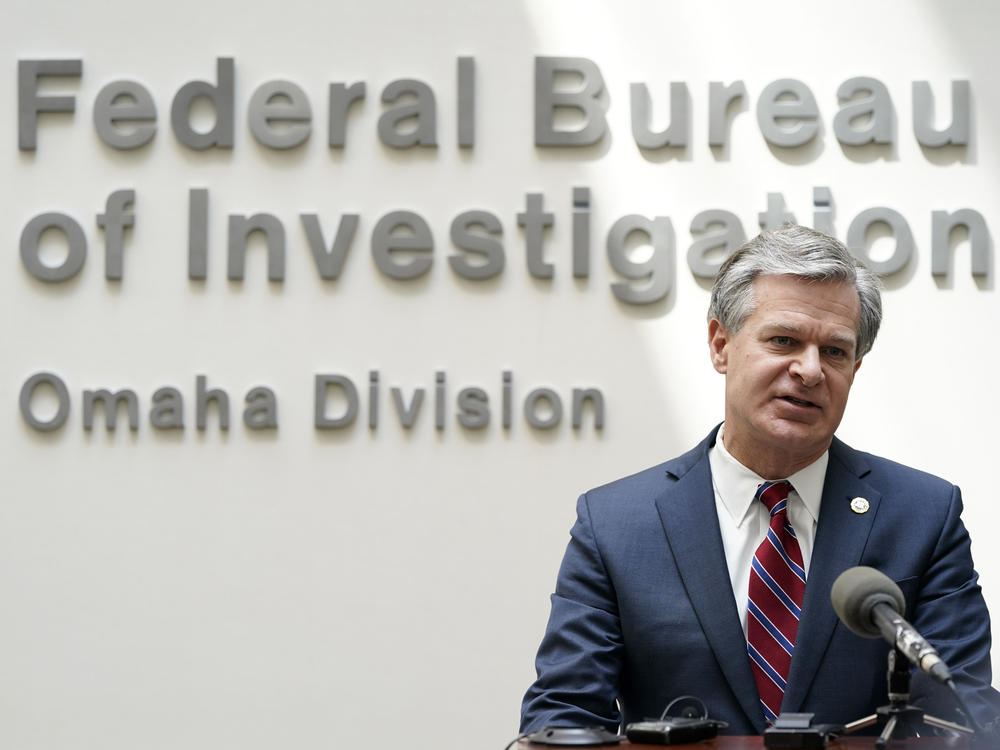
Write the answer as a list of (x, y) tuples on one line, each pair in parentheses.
[(855, 594)]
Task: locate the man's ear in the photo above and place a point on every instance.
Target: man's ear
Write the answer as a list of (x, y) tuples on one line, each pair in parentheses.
[(718, 341)]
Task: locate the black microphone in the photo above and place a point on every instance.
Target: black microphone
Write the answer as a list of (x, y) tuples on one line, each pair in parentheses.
[(871, 605)]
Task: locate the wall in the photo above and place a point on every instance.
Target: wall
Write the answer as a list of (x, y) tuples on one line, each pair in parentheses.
[(292, 585)]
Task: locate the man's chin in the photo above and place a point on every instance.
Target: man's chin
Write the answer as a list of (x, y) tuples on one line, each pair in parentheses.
[(795, 435)]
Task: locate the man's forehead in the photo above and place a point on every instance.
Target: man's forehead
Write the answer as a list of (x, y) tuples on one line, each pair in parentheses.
[(834, 295)]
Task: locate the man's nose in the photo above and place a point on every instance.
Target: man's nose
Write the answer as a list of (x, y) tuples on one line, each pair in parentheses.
[(807, 366)]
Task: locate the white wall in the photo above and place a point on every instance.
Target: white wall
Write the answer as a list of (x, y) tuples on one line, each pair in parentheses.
[(200, 589)]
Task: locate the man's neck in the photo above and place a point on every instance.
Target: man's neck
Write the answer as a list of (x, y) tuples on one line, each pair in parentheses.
[(769, 465)]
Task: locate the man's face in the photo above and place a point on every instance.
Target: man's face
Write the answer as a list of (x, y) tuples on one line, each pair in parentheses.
[(788, 372)]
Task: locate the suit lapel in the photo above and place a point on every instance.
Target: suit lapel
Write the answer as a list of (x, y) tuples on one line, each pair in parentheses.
[(690, 522), (841, 535)]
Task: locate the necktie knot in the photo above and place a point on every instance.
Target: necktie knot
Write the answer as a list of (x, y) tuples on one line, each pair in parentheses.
[(773, 494)]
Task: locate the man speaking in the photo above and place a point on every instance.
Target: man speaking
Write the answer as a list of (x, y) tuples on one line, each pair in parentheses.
[(710, 575)]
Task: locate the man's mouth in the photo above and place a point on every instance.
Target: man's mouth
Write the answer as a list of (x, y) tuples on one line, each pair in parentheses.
[(797, 401)]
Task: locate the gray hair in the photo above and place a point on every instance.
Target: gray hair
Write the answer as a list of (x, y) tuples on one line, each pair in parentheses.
[(801, 252)]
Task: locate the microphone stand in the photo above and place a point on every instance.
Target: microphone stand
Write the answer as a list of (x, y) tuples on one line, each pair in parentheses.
[(899, 714)]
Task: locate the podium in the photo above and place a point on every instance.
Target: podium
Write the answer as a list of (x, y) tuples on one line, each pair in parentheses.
[(757, 743)]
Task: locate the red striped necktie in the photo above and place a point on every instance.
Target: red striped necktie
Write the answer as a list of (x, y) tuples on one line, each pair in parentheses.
[(777, 584)]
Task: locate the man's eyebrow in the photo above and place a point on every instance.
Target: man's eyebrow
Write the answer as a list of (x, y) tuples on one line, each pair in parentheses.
[(844, 340), (776, 326), (780, 328)]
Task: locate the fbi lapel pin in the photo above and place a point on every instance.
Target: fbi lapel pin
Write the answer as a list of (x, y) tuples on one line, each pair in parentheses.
[(859, 505)]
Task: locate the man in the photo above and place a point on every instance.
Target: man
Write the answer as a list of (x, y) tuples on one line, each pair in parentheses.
[(663, 567)]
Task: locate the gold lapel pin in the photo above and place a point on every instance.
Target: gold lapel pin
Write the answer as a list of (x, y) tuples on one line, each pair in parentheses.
[(860, 505)]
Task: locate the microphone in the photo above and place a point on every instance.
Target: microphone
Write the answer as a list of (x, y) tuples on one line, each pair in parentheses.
[(871, 605)]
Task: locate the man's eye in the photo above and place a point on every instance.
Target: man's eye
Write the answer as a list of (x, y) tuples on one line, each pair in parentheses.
[(835, 351), (782, 340)]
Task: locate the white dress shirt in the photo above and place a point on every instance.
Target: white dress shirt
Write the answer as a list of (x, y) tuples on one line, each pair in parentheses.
[(743, 520)]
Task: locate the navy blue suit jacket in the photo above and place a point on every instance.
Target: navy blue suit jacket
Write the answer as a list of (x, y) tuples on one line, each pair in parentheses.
[(643, 610)]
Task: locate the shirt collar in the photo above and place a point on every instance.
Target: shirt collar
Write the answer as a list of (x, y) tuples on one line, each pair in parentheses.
[(735, 484)]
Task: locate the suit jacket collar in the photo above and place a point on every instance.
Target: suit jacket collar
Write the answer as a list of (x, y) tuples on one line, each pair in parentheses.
[(688, 515), (690, 522), (841, 536)]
